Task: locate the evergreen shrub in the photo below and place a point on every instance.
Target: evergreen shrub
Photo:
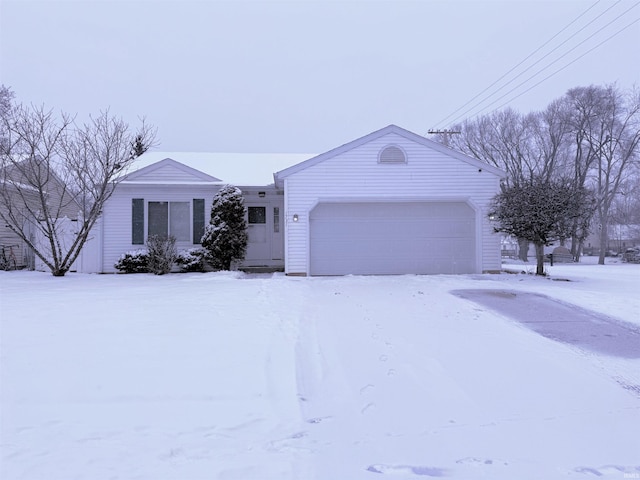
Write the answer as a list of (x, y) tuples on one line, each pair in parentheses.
[(192, 260), (225, 237), (135, 261)]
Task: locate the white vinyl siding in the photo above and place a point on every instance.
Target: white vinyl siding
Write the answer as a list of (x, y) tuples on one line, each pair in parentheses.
[(168, 174), (357, 175), (117, 215), (117, 218)]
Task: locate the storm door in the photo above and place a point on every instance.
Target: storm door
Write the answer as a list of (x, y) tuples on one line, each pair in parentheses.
[(258, 246)]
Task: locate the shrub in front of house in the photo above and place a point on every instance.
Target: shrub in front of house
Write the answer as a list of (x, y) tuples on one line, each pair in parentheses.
[(225, 237), (192, 260), (135, 261), (162, 254)]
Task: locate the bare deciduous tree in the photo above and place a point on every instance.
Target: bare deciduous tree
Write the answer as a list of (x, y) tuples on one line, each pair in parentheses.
[(612, 133), (518, 144), (52, 168), (500, 139), (590, 135)]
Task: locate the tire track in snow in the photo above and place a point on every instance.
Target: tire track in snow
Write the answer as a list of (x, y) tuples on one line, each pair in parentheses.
[(281, 330), (348, 364)]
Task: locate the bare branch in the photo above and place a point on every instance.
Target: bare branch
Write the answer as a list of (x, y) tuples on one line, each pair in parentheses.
[(52, 168)]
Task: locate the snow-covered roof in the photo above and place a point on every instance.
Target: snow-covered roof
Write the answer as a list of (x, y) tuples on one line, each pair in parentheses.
[(246, 169)]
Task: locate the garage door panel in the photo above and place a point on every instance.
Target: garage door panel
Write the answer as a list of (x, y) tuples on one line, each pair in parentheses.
[(363, 228), (392, 238)]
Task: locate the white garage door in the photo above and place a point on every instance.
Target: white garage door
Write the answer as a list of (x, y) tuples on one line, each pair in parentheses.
[(392, 238)]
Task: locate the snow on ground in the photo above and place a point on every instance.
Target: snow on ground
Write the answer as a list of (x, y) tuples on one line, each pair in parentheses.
[(234, 376)]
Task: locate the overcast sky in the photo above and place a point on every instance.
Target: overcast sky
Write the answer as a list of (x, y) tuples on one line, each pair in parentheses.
[(306, 76)]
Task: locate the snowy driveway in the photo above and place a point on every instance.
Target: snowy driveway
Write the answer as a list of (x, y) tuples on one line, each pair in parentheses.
[(562, 322), (231, 376)]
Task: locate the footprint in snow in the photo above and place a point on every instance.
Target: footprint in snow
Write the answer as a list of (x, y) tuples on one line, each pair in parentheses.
[(473, 460), (288, 444), (366, 388), (628, 472), (479, 462), (407, 469), (368, 407), (318, 419)]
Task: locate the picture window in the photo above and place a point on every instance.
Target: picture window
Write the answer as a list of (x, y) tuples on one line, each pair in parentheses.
[(170, 218)]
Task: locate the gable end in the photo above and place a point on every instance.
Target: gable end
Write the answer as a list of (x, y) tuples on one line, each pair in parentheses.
[(169, 171), (281, 175)]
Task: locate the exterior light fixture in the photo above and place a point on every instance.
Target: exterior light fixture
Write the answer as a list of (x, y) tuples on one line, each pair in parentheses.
[(295, 217), (262, 194)]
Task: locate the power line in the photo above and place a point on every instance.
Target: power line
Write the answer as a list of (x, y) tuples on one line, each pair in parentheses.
[(560, 69), (593, 35), (545, 56), (546, 67), (557, 60), (526, 58)]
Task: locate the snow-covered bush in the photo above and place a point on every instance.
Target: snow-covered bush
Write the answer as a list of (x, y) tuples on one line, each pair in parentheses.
[(225, 238), (162, 253), (192, 260), (135, 261)]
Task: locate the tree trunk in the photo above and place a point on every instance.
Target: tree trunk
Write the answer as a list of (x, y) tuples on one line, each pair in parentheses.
[(578, 251), (604, 241), (523, 249), (539, 258), (576, 247)]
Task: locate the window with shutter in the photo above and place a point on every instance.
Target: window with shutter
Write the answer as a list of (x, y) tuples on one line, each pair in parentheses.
[(198, 220), (137, 221)]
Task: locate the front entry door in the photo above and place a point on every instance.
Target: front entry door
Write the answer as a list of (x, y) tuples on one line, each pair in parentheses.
[(258, 245)]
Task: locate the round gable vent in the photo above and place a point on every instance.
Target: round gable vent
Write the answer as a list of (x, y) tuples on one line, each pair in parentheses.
[(392, 154)]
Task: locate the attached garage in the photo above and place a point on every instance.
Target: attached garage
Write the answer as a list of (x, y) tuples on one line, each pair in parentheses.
[(391, 202), (392, 238)]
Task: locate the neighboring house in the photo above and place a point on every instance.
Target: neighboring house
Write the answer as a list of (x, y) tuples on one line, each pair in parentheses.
[(20, 199), (621, 237), (12, 243), (509, 246), (391, 202)]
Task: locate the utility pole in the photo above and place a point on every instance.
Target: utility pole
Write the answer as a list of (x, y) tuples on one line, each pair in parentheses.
[(445, 134)]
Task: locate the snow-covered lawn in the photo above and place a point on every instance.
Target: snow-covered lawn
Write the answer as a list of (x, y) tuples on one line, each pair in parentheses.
[(233, 376)]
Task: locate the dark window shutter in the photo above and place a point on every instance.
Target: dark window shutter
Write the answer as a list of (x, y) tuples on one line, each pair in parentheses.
[(198, 220), (137, 224)]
